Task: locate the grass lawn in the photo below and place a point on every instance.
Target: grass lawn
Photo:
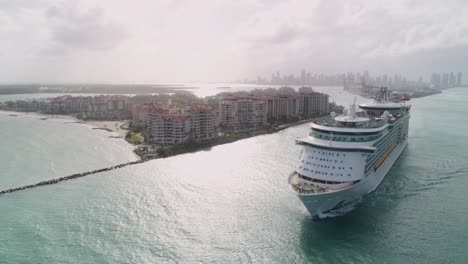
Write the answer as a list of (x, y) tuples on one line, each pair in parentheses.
[(135, 138)]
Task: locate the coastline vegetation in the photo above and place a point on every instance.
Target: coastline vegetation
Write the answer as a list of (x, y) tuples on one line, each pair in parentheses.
[(152, 152), (134, 138)]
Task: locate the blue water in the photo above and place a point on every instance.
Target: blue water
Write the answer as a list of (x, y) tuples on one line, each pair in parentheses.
[(230, 204)]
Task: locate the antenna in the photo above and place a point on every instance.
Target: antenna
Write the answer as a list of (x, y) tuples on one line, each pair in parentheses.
[(352, 109)]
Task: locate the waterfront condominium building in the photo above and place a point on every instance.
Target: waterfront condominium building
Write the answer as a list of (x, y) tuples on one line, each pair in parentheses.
[(140, 116), (140, 113), (283, 107), (167, 126), (67, 104), (312, 103), (168, 129), (203, 122), (113, 107), (239, 114)]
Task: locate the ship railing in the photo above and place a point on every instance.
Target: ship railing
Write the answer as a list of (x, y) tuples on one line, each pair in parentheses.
[(303, 187), (307, 189)]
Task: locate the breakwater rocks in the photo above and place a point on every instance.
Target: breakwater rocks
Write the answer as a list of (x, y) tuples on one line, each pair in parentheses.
[(70, 177)]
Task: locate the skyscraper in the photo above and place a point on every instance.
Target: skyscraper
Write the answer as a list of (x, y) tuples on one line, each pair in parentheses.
[(459, 79), (453, 80), (445, 80)]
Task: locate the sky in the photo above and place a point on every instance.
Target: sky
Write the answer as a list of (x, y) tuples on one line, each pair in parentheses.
[(150, 41)]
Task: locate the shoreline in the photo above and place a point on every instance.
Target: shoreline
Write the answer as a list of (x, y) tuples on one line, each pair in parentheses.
[(195, 146), (171, 150), (109, 126)]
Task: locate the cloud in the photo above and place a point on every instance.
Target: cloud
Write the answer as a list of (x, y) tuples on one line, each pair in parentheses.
[(88, 30), (166, 40)]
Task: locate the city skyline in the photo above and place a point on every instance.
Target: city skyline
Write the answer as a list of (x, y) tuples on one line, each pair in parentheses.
[(438, 80)]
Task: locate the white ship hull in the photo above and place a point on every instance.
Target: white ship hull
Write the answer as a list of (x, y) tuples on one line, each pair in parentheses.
[(335, 203)]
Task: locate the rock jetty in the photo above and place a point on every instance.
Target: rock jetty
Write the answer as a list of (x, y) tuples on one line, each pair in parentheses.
[(70, 177)]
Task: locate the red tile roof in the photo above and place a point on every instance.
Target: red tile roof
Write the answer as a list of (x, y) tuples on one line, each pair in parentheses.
[(200, 108)]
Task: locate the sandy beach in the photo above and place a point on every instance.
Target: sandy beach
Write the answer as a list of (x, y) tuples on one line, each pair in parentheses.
[(110, 126)]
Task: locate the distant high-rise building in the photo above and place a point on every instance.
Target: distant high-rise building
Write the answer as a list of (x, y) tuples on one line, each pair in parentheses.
[(435, 79), (366, 75), (385, 79), (453, 80), (303, 76), (459, 79), (445, 80), (309, 78)]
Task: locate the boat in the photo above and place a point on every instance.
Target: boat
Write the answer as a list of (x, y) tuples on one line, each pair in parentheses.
[(346, 157)]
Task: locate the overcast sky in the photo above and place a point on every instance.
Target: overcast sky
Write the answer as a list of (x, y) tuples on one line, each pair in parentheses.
[(145, 41)]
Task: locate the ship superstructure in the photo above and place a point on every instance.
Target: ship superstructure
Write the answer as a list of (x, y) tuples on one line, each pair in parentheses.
[(347, 156)]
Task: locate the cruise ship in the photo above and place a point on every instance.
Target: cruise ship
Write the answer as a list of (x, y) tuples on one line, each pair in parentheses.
[(346, 157)]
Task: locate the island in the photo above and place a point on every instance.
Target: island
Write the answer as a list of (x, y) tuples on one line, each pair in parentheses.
[(167, 124)]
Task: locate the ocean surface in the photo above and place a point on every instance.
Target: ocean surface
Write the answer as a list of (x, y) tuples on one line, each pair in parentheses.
[(230, 204)]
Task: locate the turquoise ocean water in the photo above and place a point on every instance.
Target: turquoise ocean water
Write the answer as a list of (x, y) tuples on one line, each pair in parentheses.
[(230, 204)]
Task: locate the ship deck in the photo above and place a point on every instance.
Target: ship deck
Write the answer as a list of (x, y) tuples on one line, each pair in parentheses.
[(331, 122), (309, 188)]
